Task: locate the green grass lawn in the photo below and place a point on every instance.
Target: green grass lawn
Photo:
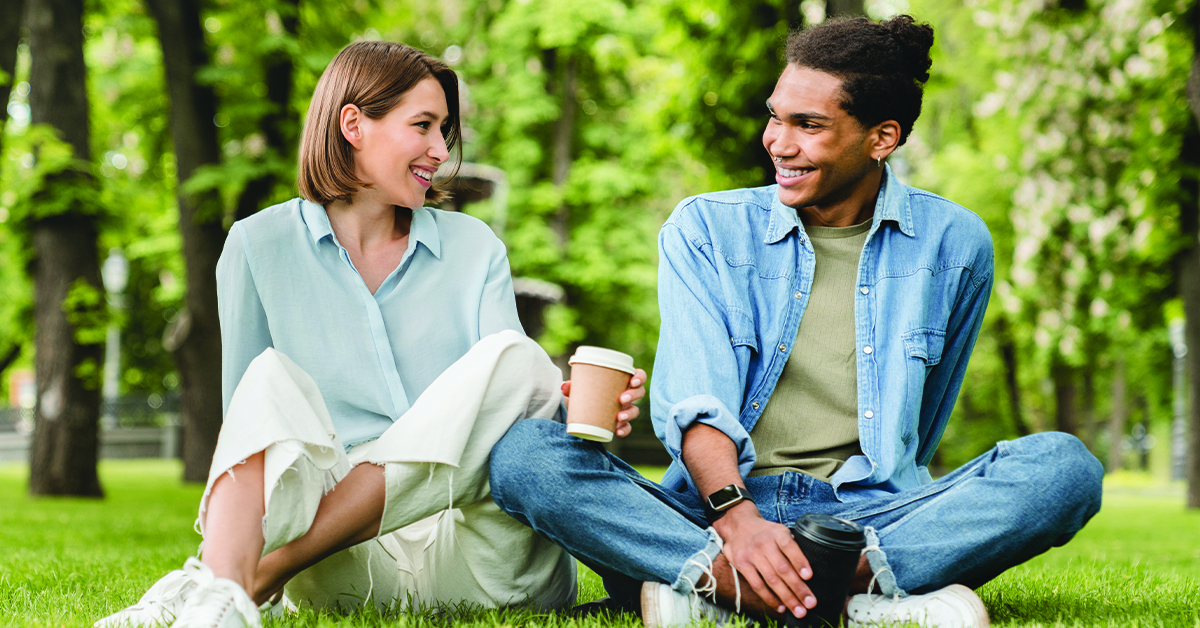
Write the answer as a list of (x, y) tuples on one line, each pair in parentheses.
[(67, 562)]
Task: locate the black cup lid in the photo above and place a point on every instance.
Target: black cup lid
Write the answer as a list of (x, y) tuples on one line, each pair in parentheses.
[(831, 531)]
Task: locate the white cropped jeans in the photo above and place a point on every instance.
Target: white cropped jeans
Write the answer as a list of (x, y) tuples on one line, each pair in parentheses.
[(442, 538)]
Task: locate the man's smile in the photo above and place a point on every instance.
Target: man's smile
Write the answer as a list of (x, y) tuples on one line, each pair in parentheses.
[(790, 176)]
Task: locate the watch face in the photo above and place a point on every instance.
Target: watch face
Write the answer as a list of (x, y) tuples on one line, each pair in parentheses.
[(724, 498)]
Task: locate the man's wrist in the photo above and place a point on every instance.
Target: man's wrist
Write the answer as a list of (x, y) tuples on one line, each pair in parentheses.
[(736, 516)]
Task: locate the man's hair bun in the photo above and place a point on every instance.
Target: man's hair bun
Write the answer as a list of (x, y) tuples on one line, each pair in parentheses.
[(915, 41)]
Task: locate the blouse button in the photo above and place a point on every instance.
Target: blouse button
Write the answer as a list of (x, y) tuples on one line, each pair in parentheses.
[(869, 414), (754, 405), (783, 348), (864, 289), (867, 350), (798, 295)]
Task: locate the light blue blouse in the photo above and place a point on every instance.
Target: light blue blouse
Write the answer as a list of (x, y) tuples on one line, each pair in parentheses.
[(284, 281)]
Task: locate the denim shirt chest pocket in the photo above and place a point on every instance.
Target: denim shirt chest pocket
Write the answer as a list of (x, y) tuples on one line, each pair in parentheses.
[(754, 277)]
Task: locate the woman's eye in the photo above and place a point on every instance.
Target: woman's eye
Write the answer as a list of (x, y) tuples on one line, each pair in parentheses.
[(424, 125)]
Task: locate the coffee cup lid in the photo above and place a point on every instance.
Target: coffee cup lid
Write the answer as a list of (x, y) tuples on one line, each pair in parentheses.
[(831, 531), (607, 358)]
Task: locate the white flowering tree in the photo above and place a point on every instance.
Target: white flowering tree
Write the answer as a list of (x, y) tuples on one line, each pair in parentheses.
[(1096, 95), (1062, 126)]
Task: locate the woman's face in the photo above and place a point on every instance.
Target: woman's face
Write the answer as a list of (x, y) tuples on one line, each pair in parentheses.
[(398, 153)]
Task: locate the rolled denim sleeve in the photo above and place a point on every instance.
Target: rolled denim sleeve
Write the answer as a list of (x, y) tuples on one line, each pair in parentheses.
[(697, 378), (946, 378), (244, 329)]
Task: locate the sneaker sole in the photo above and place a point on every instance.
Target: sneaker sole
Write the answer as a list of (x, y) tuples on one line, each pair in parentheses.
[(650, 605), (968, 597)]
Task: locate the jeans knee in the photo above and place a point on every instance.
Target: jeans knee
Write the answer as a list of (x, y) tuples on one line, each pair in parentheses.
[(1075, 472), (523, 462)]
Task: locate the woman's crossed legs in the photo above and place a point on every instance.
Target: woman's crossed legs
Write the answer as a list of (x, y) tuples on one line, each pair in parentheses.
[(283, 496)]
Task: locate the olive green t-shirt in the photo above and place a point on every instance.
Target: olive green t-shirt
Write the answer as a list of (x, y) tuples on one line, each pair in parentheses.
[(810, 424)]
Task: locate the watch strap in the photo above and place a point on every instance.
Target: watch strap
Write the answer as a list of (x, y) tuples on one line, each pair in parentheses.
[(719, 502)]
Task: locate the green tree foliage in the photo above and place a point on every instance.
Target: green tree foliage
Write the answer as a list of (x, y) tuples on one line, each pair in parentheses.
[(1062, 129), (565, 98)]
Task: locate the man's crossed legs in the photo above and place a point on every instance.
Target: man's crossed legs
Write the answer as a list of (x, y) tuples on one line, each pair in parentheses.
[(1003, 508)]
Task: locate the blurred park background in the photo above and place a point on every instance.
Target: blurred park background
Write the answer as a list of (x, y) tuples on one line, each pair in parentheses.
[(137, 131)]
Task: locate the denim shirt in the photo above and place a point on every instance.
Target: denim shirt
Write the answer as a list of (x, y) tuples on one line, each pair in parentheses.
[(735, 269)]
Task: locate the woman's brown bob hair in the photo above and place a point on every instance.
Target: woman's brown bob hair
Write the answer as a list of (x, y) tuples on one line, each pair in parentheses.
[(375, 76)]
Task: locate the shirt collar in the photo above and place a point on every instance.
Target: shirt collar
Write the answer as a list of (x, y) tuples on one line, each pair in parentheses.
[(892, 205), (424, 228), (315, 219)]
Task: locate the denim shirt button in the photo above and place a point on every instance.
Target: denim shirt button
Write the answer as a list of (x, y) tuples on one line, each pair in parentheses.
[(799, 294), (867, 350), (783, 348), (869, 414), (864, 289), (754, 405)]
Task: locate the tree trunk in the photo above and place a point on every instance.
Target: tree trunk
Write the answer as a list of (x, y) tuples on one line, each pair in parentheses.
[(197, 343), (62, 457), (275, 124), (1008, 353), (1064, 398), (1143, 452), (1189, 263), (564, 130), (1087, 409), (11, 14), (1120, 414)]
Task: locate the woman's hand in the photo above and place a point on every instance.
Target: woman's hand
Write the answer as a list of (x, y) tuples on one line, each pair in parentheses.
[(628, 412)]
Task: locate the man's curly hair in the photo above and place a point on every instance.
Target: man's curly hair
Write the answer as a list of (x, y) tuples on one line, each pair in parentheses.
[(883, 65)]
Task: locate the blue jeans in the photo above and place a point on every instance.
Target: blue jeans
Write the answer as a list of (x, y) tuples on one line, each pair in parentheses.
[(1003, 508)]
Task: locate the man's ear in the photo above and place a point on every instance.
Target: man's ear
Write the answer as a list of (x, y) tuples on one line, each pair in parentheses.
[(885, 138), (350, 123)]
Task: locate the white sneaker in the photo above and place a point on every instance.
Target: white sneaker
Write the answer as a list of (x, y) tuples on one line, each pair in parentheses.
[(955, 606), (663, 606), (216, 602), (157, 607)]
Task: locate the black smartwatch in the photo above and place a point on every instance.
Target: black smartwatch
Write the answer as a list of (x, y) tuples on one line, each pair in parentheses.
[(718, 503)]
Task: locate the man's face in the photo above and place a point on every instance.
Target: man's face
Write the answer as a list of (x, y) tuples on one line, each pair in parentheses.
[(825, 151)]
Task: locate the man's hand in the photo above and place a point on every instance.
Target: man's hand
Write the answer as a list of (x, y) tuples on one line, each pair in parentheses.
[(765, 554), (628, 412)]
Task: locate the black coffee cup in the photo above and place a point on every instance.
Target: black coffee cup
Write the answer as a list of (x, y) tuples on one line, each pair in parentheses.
[(832, 547)]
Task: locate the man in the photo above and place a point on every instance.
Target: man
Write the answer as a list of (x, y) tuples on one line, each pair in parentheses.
[(815, 334)]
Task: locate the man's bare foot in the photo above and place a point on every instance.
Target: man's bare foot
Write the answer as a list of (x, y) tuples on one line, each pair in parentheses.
[(862, 577)]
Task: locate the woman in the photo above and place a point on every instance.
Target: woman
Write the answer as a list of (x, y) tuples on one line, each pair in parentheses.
[(372, 358)]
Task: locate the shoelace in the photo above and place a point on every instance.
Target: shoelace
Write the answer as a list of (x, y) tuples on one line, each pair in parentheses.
[(710, 586), (197, 572)]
